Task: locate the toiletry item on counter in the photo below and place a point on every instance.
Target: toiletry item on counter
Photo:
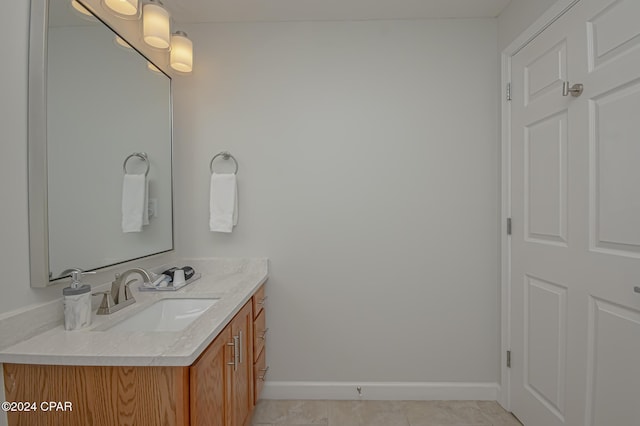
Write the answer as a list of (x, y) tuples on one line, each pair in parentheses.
[(172, 279), (77, 302), (169, 273), (160, 281), (188, 273), (178, 277)]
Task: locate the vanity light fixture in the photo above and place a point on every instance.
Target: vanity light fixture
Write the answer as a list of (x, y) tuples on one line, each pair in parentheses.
[(181, 54), (156, 30), (126, 9), (80, 8), (153, 68), (121, 43)]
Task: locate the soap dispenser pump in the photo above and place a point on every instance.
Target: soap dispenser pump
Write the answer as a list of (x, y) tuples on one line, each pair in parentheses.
[(77, 302)]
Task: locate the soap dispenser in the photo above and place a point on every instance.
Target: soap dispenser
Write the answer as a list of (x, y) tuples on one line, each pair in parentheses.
[(77, 302)]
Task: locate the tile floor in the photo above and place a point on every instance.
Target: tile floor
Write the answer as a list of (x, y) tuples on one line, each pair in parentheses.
[(381, 413)]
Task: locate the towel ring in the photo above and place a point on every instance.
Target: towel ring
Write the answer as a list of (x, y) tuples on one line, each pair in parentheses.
[(225, 155), (141, 155)]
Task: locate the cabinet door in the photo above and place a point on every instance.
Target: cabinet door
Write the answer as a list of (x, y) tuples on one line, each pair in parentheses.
[(99, 395), (209, 385), (242, 377)]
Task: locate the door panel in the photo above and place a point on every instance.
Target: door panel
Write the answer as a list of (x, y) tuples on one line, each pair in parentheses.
[(545, 186), (546, 72), (616, 168), (545, 343), (612, 258), (209, 385), (613, 31), (614, 346), (541, 243), (575, 205)]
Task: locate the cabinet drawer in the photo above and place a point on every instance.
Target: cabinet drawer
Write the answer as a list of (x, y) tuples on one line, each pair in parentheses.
[(259, 375), (258, 301), (259, 334)]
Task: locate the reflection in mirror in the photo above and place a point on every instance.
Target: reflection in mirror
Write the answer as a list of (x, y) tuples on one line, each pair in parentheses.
[(102, 105)]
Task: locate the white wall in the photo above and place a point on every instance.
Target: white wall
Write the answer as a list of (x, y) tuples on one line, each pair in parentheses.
[(368, 175), (14, 228), (14, 237), (517, 17), (14, 244)]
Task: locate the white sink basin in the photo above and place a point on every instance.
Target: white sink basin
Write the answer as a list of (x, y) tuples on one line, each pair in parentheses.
[(166, 315)]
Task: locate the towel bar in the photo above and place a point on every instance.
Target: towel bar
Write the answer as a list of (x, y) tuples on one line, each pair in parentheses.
[(225, 155), (141, 155)]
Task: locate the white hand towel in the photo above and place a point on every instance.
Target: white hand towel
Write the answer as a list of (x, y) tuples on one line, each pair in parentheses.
[(145, 206), (133, 196), (223, 202)]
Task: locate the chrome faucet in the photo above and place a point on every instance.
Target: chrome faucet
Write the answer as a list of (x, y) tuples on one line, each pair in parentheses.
[(112, 301)]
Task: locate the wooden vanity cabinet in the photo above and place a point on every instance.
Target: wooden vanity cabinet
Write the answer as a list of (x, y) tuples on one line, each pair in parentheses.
[(216, 390), (242, 384), (259, 342), (99, 396), (209, 390), (221, 379)]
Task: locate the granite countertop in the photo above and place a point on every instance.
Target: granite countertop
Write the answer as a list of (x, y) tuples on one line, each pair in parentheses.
[(233, 282)]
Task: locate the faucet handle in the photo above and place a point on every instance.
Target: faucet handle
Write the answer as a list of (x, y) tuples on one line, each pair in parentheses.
[(106, 304)]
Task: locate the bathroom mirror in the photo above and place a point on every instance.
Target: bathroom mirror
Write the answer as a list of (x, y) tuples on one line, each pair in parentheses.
[(93, 105)]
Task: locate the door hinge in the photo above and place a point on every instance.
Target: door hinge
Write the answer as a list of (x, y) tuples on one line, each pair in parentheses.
[(508, 91), (509, 227), (508, 359)]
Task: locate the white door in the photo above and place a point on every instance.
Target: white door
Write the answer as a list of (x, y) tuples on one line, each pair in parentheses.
[(575, 205)]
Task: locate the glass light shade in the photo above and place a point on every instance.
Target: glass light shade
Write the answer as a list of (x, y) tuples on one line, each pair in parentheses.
[(120, 42), (80, 8), (155, 25), (181, 55), (153, 67), (127, 8)]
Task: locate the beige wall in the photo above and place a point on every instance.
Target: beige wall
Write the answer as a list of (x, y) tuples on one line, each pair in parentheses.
[(517, 17), (14, 230), (368, 175), (368, 155)]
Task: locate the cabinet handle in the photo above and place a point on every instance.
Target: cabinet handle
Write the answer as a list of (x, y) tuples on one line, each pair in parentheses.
[(240, 346), (264, 373), (261, 301), (233, 345), (236, 358), (264, 334)]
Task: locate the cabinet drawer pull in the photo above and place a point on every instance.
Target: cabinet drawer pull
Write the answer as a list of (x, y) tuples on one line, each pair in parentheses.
[(235, 353), (264, 373), (240, 347), (263, 336), (261, 301)]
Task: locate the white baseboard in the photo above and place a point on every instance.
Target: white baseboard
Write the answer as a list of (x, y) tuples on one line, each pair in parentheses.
[(386, 391)]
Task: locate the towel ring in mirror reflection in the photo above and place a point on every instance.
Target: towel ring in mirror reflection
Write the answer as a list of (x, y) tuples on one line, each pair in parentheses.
[(226, 156), (141, 155)]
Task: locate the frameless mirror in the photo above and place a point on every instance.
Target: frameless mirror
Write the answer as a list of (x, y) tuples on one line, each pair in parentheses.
[(96, 112)]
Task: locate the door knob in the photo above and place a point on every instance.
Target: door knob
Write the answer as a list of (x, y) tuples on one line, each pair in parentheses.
[(636, 289), (575, 90)]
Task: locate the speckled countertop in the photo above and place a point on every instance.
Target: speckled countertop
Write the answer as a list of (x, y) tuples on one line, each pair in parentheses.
[(232, 281)]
